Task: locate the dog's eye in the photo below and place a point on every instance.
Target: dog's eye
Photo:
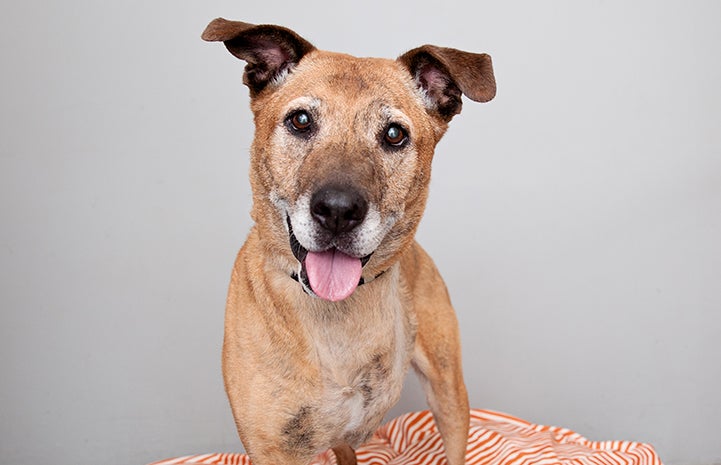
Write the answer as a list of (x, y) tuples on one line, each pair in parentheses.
[(395, 135), (300, 121)]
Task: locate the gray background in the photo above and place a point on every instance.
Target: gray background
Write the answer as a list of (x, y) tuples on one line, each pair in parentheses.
[(576, 218)]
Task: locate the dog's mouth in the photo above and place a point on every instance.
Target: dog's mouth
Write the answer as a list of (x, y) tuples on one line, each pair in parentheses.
[(330, 274)]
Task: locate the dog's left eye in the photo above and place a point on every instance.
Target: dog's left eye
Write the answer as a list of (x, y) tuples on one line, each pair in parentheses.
[(300, 121), (395, 135)]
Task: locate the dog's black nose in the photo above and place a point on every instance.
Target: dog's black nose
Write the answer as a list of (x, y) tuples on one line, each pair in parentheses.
[(338, 208)]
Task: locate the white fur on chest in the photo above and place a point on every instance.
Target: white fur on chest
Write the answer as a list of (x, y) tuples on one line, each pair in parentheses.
[(363, 359)]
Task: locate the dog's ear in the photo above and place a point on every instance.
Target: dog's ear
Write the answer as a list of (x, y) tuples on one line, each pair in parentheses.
[(446, 73), (269, 50)]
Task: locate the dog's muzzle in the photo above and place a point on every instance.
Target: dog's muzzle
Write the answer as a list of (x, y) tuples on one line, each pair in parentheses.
[(331, 274)]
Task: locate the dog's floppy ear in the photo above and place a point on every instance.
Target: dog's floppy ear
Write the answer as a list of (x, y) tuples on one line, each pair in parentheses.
[(446, 73), (269, 50)]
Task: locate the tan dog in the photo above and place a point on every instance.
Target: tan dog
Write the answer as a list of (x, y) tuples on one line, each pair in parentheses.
[(331, 299)]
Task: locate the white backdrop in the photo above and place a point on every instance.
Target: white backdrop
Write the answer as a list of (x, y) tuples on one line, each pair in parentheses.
[(576, 217)]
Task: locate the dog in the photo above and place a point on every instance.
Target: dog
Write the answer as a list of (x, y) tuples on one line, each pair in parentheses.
[(331, 299)]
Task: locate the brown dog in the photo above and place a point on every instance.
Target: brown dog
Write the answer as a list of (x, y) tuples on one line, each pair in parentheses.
[(331, 299)]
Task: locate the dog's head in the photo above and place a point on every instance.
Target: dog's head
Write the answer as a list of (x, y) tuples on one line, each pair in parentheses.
[(341, 159)]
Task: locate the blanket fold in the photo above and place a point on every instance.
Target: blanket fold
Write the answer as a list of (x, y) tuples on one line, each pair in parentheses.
[(494, 439)]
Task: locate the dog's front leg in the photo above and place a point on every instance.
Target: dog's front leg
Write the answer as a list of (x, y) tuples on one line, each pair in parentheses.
[(437, 354), (438, 365), (439, 369)]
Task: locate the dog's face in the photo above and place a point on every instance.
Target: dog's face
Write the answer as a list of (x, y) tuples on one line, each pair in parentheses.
[(342, 156), (341, 159)]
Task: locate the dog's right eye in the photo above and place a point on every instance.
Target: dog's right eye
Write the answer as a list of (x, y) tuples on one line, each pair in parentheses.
[(300, 121)]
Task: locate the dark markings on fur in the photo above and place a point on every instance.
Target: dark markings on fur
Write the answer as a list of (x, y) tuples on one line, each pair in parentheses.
[(349, 78), (380, 368), (299, 432), (375, 372), (367, 392)]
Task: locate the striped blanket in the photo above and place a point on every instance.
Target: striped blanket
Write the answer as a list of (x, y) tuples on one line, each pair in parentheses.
[(494, 438)]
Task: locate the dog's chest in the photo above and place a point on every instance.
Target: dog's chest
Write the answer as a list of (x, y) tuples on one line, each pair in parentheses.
[(362, 370)]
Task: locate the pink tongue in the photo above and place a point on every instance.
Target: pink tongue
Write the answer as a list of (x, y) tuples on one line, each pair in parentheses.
[(333, 275)]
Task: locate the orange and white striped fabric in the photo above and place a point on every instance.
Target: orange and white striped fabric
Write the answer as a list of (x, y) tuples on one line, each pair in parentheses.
[(494, 439)]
